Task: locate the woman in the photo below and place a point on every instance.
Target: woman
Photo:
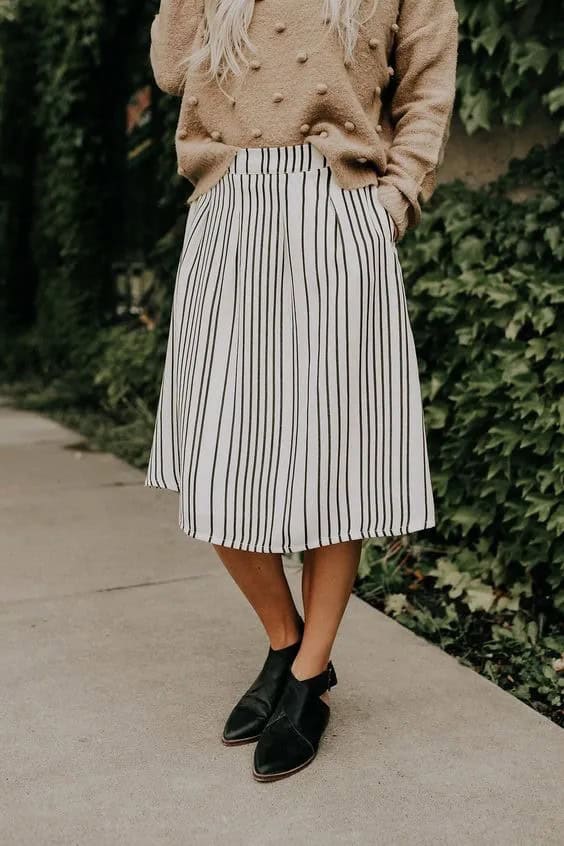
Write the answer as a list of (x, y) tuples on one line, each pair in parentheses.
[(290, 414)]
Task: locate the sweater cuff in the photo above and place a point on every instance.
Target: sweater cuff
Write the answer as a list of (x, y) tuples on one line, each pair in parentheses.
[(396, 204)]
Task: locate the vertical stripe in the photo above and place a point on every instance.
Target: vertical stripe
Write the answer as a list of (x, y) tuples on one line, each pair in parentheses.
[(345, 333), (290, 413)]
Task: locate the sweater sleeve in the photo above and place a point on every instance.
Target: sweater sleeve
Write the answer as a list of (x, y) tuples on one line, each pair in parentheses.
[(172, 33), (421, 109)]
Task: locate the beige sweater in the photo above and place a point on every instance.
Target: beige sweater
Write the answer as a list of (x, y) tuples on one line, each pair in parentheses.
[(383, 120)]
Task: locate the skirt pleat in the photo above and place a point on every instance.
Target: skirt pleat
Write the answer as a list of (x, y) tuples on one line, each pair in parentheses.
[(290, 411)]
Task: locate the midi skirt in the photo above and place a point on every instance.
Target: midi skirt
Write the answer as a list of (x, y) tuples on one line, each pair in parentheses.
[(290, 413)]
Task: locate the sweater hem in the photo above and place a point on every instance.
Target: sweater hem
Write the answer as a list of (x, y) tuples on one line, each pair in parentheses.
[(346, 176)]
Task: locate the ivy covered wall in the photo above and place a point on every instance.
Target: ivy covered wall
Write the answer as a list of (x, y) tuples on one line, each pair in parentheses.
[(18, 29), (65, 83), (511, 61)]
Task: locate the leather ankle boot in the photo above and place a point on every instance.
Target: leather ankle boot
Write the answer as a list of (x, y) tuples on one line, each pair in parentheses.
[(250, 715), (291, 737)]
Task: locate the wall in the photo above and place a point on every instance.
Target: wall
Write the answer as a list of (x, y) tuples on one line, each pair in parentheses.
[(484, 156)]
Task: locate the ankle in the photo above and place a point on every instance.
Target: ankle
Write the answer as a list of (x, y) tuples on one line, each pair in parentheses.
[(286, 634), (306, 667)]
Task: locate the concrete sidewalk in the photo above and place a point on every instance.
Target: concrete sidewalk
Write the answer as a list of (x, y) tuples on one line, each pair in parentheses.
[(124, 644)]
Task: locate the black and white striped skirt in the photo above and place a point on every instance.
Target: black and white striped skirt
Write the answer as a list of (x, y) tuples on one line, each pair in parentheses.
[(290, 411)]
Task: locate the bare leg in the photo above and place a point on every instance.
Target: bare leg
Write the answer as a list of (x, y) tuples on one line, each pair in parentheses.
[(260, 576), (306, 579), (327, 580)]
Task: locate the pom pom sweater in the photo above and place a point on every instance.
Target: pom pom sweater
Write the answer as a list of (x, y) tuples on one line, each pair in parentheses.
[(382, 119)]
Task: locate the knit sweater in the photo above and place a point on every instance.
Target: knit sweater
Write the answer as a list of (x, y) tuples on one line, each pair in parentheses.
[(383, 119)]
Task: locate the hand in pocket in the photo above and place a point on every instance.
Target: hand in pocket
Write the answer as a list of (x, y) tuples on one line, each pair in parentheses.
[(393, 227)]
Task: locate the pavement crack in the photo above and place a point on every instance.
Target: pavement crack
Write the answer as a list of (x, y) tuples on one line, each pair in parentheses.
[(83, 593), (151, 583)]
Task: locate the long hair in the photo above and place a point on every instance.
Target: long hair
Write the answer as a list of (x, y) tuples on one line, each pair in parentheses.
[(226, 41)]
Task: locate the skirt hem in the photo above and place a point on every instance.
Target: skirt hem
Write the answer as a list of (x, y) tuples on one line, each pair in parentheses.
[(413, 527)]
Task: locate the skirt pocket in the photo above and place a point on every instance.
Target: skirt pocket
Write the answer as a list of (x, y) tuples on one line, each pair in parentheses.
[(383, 213)]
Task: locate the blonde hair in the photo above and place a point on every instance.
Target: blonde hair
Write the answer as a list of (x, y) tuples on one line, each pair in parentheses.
[(226, 40)]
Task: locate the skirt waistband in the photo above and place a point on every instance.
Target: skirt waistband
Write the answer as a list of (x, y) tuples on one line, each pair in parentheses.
[(291, 159)]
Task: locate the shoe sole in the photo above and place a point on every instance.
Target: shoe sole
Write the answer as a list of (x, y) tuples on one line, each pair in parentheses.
[(285, 774), (242, 742)]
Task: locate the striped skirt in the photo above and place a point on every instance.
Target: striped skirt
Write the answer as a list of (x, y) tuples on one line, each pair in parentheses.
[(290, 412)]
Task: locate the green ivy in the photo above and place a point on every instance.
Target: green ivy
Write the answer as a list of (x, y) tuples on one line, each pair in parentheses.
[(73, 107), (511, 61), (19, 27), (484, 274), (486, 282)]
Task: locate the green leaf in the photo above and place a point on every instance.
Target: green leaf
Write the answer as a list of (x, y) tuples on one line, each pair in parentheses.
[(446, 573), (555, 99), (489, 38), (531, 55), (466, 518), (479, 596), (476, 111), (396, 603), (436, 416), (556, 522), (540, 506)]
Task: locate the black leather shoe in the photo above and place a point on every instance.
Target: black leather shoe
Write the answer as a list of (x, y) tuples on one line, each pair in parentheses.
[(250, 715), (291, 737)]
